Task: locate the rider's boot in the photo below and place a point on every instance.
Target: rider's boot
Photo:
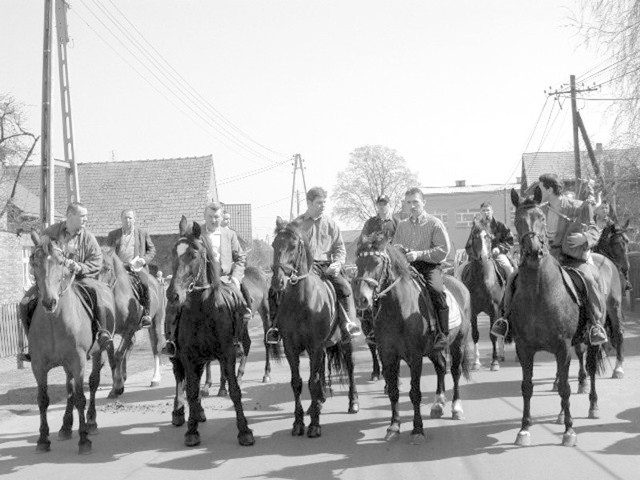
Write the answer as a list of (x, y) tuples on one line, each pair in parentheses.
[(170, 322), (442, 337), (26, 308)]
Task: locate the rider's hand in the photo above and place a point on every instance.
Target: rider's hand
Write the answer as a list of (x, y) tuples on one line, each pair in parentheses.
[(412, 256), (72, 266), (576, 239), (333, 269)]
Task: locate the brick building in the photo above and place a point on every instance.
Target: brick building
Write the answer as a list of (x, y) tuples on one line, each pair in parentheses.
[(240, 221)]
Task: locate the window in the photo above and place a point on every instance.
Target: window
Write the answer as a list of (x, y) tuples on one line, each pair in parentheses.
[(464, 218), (441, 215)]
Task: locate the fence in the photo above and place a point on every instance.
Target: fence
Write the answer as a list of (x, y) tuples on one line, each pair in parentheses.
[(12, 338)]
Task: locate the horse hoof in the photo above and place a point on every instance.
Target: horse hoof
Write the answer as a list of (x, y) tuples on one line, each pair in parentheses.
[(375, 377), (618, 373), (418, 439), (560, 419), (177, 419), (476, 366), (569, 439), (437, 411), (192, 440), (43, 446), (594, 413), (495, 366), (298, 430), (246, 439), (92, 428), (200, 416), (204, 392), (457, 413), (314, 431), (523, 439), (502, 358), (554, 388), (223, 392), (266, 379), (112, 394), (155, 383), (582, 389), (84, 448), (354, 408), (392, 435), (64, 434)]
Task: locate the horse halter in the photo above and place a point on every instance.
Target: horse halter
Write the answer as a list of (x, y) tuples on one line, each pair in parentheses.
[(202, 268), (292, 277), (385, 275), (542, 238), (63, 288)]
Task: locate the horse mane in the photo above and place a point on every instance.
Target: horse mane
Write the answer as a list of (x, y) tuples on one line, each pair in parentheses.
[(293, 229), (380, 243), (117, 265)]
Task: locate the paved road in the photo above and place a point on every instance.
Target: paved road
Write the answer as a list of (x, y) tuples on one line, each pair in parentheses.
[(136, 439)]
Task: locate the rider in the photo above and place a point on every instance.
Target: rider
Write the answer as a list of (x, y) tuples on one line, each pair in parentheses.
[(323, 236), (501, 238), (222, 245), (383, 222), (134, 247), (83, 257), (571, 249), (427, 241)]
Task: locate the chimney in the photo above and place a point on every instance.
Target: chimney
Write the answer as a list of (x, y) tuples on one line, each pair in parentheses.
[(461, 183)]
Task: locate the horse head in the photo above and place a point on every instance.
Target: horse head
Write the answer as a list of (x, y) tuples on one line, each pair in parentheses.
[(531, 225), (192, 267), (614, 244), (48, 265), (108, 271), (480, 241), (291, 257)]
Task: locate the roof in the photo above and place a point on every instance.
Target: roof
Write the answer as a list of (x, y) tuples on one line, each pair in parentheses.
[(23, 199), (160, 191), (494, 187)]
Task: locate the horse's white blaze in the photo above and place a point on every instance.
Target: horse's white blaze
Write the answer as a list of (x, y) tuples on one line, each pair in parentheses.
[(181, 248)]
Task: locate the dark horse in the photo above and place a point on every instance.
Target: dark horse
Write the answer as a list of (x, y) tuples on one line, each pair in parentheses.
[(486, 288), (61, 334), (204, 332), (256, 282), (543, 316), (384, 282), (128, 312), (614, 244), (304, 318)]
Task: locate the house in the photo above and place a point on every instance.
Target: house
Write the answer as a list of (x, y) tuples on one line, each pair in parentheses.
[(160, 191)]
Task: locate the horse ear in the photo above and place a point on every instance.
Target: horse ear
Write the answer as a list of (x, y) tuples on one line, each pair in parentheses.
[(182, 226), (35, 238), (280, 223), (515, 197), (196, 230)]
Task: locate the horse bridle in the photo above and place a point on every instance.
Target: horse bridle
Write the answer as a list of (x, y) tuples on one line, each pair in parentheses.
[(385, 275), (62, 289), (292, 277), (202, 268)]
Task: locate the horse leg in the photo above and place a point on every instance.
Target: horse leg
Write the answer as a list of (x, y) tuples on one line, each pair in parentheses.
[(193, 374), (457, 358), (65, 431), (246, 345), (594, 356), (582, 373), (205, 391), (415, 367), (375, 374), (80, 400), (120, 372), (266, 324), (177, 415), (97, 362), (526, 363), (475, 334), (495, 358), (44, 444), (245, 435), (153, 339), (316, 388), (222, 391), (615, 318), (563, 361), (296, 385), (438, 359), (390, 370)]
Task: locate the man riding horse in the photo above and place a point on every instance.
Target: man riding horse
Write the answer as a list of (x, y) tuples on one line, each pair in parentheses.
[(571, 234), (501, 239), (134, 247), (84, 259), (222, 245), (323, 236)]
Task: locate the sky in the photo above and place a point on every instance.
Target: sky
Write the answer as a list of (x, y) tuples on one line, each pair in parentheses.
[(457, 88)]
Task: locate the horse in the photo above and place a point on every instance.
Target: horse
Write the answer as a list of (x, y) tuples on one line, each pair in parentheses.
[(61, 334), (128, 312), (614, 244), (385, 283), (486, 287), (204, 332), (544, 317), (256, 282), (304, 317)]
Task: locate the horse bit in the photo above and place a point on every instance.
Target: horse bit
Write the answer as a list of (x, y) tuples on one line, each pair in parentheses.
[(293, 277)]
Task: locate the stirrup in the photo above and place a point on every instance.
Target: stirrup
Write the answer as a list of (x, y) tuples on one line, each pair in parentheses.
[(169, 348), (24, 357), (353, 329), (500, 328), (145, 321), (272, 337), (597, 335), (441, 341), (103, 339)]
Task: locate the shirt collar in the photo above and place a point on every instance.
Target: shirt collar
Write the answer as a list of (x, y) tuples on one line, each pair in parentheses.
[(307, 216), (420, 220)]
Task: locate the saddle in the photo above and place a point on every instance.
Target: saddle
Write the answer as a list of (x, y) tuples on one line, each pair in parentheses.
[(139, 291), (427, 309)]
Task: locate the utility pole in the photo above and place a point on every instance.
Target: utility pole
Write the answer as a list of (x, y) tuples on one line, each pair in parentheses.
[(46, 179), (297, 165)]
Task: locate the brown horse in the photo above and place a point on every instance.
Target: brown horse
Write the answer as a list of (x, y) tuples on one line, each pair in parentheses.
[(384, 282), (61, 334), (128, 312), (256, 282), (204, 332), (486, 288), (544, 316), (304, 318)]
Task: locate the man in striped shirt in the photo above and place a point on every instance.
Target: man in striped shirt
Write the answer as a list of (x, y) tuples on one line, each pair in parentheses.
[(427, 243)]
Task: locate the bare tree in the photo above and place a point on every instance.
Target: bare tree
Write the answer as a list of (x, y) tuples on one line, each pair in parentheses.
[(16, 147), (373, 170)]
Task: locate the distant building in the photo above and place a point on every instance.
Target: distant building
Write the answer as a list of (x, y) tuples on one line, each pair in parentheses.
[(240, 221)]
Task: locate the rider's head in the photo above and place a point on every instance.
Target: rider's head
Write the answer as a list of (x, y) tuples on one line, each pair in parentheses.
[(486, 210), (415, 199), (213, 215), (128, 218), (76, 217), (316, 199), (382, 206), (550, 185)]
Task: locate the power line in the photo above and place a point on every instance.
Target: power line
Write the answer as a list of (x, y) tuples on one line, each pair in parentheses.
[(250, 173)]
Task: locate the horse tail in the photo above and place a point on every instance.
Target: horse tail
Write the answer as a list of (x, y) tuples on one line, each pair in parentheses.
[(596, 360), (468, 358), (337, 362), (275, 352)]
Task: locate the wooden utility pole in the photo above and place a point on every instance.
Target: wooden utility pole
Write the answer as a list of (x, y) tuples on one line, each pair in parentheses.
[(297, 165), (46, 179), (576, 144)]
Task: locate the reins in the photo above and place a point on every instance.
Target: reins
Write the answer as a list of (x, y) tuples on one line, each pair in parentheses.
[(292, 277)]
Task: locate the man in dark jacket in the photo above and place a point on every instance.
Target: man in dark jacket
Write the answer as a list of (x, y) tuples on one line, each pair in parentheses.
[(136, 250), (383, 222)]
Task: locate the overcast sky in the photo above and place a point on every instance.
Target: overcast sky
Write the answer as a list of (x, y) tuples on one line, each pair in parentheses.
[(455, 87)]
